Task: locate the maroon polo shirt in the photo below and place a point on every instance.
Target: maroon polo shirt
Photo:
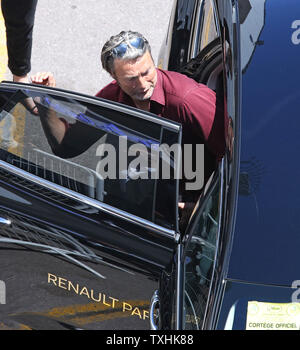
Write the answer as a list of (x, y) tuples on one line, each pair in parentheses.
[(183, 100)]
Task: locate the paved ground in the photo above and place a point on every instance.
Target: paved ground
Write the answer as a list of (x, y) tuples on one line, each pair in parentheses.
[(69, 34)]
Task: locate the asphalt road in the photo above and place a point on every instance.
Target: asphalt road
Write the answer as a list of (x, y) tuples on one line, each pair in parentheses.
[(69, 34)]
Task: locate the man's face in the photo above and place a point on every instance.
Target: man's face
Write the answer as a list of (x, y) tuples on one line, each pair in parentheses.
[(137, 78)]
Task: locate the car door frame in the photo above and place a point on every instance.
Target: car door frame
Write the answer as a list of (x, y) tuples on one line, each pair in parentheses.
[(169, 237)]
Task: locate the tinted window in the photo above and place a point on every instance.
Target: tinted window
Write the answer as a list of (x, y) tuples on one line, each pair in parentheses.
[(208, 31), (182, 27), (105, 154)]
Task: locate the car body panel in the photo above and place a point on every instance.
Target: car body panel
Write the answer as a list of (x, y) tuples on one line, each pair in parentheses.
[(266, 237)]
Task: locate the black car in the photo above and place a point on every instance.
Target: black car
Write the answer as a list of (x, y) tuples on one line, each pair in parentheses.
[(79, 251)]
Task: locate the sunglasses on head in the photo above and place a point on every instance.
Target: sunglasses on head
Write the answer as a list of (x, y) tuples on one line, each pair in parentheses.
[(120, 50)]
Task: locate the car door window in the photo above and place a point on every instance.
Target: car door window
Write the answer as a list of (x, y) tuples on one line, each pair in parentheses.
[(208, 28), (107, 154), (200, 257), (204, 62), (205, 28)]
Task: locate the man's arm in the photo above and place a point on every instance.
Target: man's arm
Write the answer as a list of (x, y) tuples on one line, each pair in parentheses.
[(54, 127), (205, 113), (66, 140)]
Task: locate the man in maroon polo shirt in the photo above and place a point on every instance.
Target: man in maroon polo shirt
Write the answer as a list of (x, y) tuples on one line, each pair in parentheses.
[(168, 94), (127, 58), (138, 83)]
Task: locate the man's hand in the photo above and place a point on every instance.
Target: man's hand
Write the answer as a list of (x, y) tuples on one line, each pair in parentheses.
[(43, 78)]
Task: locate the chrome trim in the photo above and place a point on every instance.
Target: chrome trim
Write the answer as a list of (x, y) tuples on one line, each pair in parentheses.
[(89, 201), (4, 221), (154, 325), (96, 101)]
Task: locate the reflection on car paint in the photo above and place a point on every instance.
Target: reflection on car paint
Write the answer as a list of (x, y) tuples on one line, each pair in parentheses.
[(26, 232)]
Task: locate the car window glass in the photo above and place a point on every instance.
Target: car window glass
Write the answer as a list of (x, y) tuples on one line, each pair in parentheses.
[(199, 261), (181, 30), (107, 156), (208, 31)]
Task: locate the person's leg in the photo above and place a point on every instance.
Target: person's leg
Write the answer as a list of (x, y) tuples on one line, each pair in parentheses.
[(19, 20)]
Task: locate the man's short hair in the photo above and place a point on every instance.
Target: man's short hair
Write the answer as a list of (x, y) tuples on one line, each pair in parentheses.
[(127, 45)]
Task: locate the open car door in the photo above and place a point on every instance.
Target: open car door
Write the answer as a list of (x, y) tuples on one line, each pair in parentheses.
[(87, 231)]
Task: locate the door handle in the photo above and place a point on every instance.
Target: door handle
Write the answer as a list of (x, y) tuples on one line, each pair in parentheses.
[(154, 316)]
